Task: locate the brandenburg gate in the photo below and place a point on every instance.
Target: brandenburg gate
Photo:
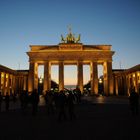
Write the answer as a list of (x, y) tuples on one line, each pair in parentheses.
[(71, 52)]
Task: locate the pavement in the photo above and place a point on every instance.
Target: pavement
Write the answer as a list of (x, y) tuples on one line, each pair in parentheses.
[(97, 118)]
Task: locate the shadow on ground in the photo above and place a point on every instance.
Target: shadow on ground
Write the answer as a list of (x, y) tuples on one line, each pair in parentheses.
[(94, 122)]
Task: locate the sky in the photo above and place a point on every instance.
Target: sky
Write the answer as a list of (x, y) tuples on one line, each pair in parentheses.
[(41, 22)]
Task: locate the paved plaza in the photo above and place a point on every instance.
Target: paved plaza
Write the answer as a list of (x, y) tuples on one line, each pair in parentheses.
[(98, 118)]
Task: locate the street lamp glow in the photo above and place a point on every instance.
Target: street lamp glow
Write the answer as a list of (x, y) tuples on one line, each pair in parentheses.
[(100, 81)]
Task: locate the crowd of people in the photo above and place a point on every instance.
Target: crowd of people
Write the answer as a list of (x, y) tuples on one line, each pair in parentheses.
[(61, 102), (57, 102)]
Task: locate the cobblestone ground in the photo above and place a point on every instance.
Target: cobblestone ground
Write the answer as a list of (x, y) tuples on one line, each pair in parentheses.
[(98, 118)]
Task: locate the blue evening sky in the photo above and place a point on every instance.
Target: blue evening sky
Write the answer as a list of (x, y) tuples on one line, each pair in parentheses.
[(41, 22)]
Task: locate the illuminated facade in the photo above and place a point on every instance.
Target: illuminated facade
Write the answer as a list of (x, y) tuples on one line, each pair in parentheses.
[(71, 52), (12, 81), (124, 80)]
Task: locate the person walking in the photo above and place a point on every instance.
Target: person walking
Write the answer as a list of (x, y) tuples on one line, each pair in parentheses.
[(134, 102)]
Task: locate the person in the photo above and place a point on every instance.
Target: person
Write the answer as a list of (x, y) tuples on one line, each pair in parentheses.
[(70, 103), (14, 97), (78, 95), (35, 101), (7, 100), (134, 101), (61, 106), (24, 101), (49, 102), (0, 100)]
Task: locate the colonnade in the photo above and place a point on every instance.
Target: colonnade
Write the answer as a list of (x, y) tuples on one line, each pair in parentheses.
[(107, 68), (11, 83), (124, 81), (7, 83)]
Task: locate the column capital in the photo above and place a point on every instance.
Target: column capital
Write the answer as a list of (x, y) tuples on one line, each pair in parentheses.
[(61, 61), (93, 61), (80, 61), (47, 61)]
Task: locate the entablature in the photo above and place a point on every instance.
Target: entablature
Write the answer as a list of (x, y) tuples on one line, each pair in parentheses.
[(79, 55)]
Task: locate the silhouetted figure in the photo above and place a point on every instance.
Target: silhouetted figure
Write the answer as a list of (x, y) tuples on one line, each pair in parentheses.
[(49, 98), (70, 103), (24, 101), (35, 101), (134, 102), (0, 101), (7, 100), (14, 97), (62, 103), (56, 100), (21, 97), (78, 95)]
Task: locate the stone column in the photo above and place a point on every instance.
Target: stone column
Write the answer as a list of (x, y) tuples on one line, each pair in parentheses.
[(24, 83), (108, 80), (0, 81), (127, 85), (116, 85), (121, 85), (94, 78), (7, 83), (80, 75), (138, 77), (35, 76), (19, 84), (136, 82), (16, 84), (47, 76), (4, 84), (13, 84), (61, 75), (11, 78), (31, 77), (131, 81)]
